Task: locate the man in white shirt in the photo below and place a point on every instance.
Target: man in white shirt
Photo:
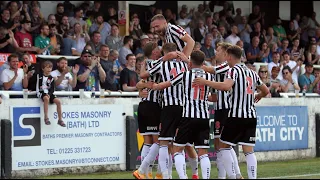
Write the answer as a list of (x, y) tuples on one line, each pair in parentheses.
[(64, 81), (233, 38), (295, 66), (14, 78), (275, 62)]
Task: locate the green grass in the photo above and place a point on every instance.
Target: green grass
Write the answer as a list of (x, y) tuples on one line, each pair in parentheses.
[(265, 170)]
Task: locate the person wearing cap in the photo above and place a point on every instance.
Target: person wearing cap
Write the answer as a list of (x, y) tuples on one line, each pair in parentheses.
[(90, 72), (144, 39), (307, 80), (25, 40), (103, 27)]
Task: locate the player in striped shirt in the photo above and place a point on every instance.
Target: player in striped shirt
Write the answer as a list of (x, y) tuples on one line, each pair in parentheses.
[(240, 127), (222, 107), (194, 126)]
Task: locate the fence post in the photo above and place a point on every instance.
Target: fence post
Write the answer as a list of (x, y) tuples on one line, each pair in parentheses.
[(131, 143), (6, 149), (318, 135)]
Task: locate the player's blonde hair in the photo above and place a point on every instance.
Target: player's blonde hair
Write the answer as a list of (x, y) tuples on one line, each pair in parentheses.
[(224, 45), (158, 16)]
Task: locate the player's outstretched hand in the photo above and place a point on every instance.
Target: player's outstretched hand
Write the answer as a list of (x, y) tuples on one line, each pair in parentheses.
[(143, 93), (199, 81), (257, 98)]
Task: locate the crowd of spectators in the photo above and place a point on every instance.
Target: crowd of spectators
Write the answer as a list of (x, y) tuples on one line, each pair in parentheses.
[(111, 62)]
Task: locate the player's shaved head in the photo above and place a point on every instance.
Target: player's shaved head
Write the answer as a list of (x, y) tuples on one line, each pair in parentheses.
[(158, 17)]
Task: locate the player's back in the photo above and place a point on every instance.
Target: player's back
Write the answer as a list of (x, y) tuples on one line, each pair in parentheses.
[(242, 94), (222, 96)]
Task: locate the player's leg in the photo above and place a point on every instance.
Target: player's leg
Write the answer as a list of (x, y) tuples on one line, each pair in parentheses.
[(193, 160), (218, 124), (248, 142)]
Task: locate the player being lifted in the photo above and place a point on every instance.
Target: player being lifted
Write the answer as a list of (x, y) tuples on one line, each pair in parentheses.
[(240, 127)]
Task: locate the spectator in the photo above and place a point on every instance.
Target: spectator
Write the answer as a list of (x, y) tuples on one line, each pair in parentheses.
[(279, 30), (31, 71), (128, 76), (264, 76), (199, 32), (113, 57), (43, 41), (256, 16), (208, 24), (64, 80), (81, 39), (215, 20), (171, 18), (13, 7), (245, 30), (307, 80), (135, 29), (78, 13), (243, 55), (103, 27), (7, 42), (313, 24), (216, 37), (223, 22), (114, 41), (197, 46), (223, 32), (312, 55), (225, 9), (264, 53), (69, 47), (296, 51), (229, 18), (233, 38), (64, 27), (238, 18), (144, 39), (60, 12), (275, 62), (112, 16), (284, 46), (90, 72), (288, 83), (52, 19), (275, 81), (253, 53), (69, 8), (24, 38), (90, 19), (317, 86), (55, 40), (36, 21), (257, 32), (208, 49), (292, 33), (296, 21), (5, 20), (14, 79), (96, 8), (125, 50), (295, 67), (139, 61), (183, 18), (270, 38), (111, 67)]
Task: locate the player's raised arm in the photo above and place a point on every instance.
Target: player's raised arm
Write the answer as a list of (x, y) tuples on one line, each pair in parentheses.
[(173, 82)]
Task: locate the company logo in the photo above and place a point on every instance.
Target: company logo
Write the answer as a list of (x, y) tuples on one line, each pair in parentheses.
[(26, 126)]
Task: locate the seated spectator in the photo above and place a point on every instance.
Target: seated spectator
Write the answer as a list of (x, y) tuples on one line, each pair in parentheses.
[(284, 46), (199, 32), (14, 78), (95, 42), (243, 56), (43, 41), (245, 30), (292, 32), (112, 15), (60, 12), (253, 53), (296, 51), (69, 47), (271, 38), (223, 32), (135, 29), (103, 27), (288, 84), (258, 32), (216, 37), (183, 18), (207, 49), (125, 50), (6, 22), (312, 55), (233, 38), (8, 44), (296, 21), (64, 80), (24, 39), (114, 41), (273, 48), (279, 30), (139, 61), (144, 39), (52, 19), (128, 77), (111, 68), (295, 67), (31, 71), (78, 13), (265, 78), (90, 72), (307, 80), (36, 21), (197, 46), (64, 27), (224, 23), (317, 86), (275, 62), (55, 40), (275, 82), (81, 39), (264, 53)]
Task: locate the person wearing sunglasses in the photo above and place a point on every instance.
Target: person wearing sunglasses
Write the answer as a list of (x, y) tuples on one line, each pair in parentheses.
[(288, 84), (264, 76)]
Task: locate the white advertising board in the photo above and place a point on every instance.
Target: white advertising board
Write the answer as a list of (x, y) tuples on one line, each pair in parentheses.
[(94, 135)]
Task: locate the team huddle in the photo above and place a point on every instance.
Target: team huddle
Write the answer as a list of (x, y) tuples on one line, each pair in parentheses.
[(173, 115)]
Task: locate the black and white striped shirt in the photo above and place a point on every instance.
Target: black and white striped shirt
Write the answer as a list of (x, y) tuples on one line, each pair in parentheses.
[(153, 95), (168, 70), (242, 93), (222, 96), (174, 34), (195, 97)]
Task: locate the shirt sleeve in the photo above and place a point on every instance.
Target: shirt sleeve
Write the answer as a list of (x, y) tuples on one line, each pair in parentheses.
[(124, 77), (178, 31), (222, 68), (37, 43), (156, 69), (232, 74), (4, 77), (258, 81), (177, 80)]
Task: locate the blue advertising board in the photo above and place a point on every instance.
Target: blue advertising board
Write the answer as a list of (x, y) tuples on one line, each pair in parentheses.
[(281, 128)]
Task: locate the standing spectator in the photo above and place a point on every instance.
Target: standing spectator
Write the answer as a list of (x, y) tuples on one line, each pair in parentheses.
[(292, 33), (288, 83), (113, 57), (103, 27), (295, 67), (114, 41), (258, 32), (95, 42), (144, 39), (256, 16), (307, 80), (81, 39), (313, 24), (14, 79), (135, 29), (233, 38), (279, 30), (271, 38), (60, 12), (111, 72), (284, 46), (317, 86), (264, 53), (52, 19), (64, 27), (253, 53), (275, 82), (238, 18), (312, 55), (245, 30), (296, 51), (215, 20), (55, 40), (7, 42), (208, 24), (128, 77), (296, 21), (36, 21), (199, 32), (43, 41), (90, 72), (69, 47), (243, 55), (69, 8), (171, 18), (96, 8), (223, 22), (24, 38), (112, 15), (208, 49), (64, 80), (5, 20), (78, 13), (125, 50)]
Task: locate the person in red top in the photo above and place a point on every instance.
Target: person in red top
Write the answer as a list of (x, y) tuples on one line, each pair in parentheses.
[(24, 38)]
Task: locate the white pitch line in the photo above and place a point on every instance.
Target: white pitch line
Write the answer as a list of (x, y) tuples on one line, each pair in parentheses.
[(283, 177)]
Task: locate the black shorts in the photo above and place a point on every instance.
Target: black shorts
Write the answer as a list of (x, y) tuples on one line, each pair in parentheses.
[(52, 97), (220, 117), (170, 119), (149, 118), (193, 130), (239, 131)]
